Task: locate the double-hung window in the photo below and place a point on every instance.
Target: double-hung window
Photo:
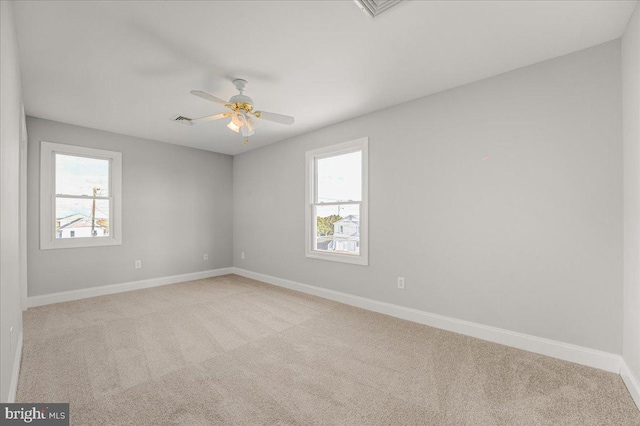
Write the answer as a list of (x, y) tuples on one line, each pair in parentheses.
[(336, 202), (80, 196)]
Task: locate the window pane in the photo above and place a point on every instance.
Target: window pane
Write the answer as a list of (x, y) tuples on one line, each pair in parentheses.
[(340, 178), (338, 228), (81, 175), (75, 218)]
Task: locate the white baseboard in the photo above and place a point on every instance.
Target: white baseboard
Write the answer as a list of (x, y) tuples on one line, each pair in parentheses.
[(631, 381), (564, 351), (13, 387), (65, 296)]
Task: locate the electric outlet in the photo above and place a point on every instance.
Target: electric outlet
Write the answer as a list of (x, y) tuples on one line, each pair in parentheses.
[(11, 339), (138, 264), (206, 257), (401, 283), (242, 255)]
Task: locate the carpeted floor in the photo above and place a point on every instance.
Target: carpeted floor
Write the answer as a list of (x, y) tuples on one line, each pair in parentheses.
[(230, 350)]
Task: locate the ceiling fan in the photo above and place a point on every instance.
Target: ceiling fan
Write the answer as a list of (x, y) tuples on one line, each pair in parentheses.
[(242, 113)]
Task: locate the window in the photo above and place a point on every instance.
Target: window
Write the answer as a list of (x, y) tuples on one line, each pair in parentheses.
[(336, 202), (80, 196)]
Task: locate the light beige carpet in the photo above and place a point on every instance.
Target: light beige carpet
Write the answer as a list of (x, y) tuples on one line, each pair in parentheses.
[(230, 350)]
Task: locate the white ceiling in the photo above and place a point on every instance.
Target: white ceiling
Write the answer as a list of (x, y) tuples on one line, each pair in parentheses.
[(128, 67)]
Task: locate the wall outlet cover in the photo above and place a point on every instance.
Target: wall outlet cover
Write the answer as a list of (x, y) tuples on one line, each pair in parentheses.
[(401, 283)]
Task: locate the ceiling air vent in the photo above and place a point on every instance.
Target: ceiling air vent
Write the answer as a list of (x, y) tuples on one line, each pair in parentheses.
[(374, 8), (182, 120)]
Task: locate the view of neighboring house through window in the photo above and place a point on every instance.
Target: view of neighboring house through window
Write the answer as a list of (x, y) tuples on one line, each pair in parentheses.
[(80, 196), (337, 202)]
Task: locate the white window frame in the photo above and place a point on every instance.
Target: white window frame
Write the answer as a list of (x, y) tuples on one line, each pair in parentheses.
[(48, 238), (311, 158)]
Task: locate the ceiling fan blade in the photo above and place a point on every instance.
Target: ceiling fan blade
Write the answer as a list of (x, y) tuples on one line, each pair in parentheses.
[(211, 117), (208, 97), (272, 116)]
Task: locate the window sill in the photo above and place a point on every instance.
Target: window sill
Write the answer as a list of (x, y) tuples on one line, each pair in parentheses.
[(343, 258), (78, 243)]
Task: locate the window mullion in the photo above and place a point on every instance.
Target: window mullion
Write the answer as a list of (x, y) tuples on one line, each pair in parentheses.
[(82, 197), (338, 203)]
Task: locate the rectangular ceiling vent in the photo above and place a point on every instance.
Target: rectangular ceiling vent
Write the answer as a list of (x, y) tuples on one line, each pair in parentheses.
[(374, 8), (182, 120)]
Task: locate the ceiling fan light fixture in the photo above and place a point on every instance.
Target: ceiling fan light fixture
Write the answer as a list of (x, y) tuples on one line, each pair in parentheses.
[(233, 126), (238, 119), (246, 132)]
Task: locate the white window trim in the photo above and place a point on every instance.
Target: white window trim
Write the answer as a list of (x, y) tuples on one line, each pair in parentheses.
[(361, 144), (47, 197)]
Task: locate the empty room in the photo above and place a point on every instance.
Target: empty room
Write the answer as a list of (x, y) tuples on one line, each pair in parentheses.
[(369, 212)]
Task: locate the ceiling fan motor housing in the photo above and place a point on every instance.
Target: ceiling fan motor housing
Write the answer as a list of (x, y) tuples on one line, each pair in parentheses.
[(241, 102)]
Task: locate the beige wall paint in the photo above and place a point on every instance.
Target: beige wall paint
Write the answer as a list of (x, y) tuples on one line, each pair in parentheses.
[(529, 240), (176, 207)]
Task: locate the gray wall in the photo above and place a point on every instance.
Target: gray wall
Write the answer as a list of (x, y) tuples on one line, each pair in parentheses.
[(529, 240), (631, 132), (11, 117), (177, 204)]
